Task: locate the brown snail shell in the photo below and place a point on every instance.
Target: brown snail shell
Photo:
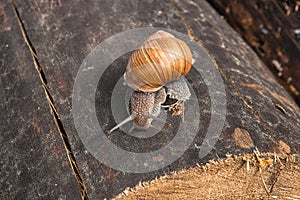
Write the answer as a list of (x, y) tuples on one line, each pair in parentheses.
[(161, 59)]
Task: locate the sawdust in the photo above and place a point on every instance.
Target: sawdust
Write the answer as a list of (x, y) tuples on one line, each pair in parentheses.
[(251, 176)]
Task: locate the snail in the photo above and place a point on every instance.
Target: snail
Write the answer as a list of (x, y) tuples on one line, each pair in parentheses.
[(155, 71)]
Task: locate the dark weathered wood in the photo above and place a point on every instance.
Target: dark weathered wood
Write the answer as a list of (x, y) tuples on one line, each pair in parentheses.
[(259, 112), (32, 158), (272, 29)]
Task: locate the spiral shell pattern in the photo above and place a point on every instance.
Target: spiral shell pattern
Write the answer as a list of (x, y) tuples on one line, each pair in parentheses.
[(161, 59)]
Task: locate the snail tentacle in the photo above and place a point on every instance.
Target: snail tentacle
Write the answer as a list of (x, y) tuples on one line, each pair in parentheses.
[(125, 121)]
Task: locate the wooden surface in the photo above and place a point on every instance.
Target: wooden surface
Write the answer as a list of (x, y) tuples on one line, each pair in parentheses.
[(34, 162), (272, 29), (236, 177)]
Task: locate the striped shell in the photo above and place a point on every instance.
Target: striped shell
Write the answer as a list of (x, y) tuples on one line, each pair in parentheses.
[(161, 59)]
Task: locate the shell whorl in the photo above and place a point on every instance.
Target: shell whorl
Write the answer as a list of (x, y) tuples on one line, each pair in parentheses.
[(161, 59)]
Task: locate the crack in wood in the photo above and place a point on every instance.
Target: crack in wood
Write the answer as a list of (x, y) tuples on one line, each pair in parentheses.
[(54, 112)]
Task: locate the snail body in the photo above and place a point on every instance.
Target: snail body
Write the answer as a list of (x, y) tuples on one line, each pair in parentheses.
[(155, 71), (146, 106), (142, 108)]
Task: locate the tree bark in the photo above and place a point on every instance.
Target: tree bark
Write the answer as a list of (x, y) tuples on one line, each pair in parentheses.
[(272, 29)]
